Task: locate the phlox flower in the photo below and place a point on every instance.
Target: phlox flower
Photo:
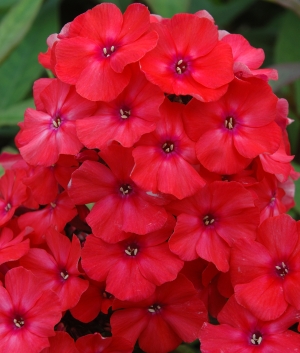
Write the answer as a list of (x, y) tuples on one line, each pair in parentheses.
[(266, 273), (241, 332), (96, 59), (28, 313)]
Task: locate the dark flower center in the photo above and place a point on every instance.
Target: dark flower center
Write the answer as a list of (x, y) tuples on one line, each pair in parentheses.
[(19, 322), (154, 308), (56, 122), (168, 147), (208, 220), (179, 99), (131, 250), (107, 51), (125, 114), (282, 269), (229, 123), (256, 338), (107, 295), (181, 66), (64, 274), (125, 189)]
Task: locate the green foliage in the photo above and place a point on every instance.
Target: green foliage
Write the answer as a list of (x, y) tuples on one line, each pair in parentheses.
[(16, 24), (21, 67)]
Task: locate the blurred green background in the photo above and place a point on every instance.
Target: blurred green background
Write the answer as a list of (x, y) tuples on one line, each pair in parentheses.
[(273, 25)]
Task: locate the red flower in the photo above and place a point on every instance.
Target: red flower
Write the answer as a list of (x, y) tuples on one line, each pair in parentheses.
[(171, 155), (174, 313), (61, 343), (134, 267), (120, 205), (50, 130), (181, 65), (96, 59), (207, 224), (12, 248), (28, 313), (248, 59), (240, 331), (266, 273), (241, 125), (58, 268), (133, 113), (97, 343)]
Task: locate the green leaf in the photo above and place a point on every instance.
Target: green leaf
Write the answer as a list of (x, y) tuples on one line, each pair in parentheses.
[(168, 8), (16, 24), (297, 193), (21, 67), (122, 4), (287, 47), (224, 13), (5, 4), (293, 5), (287, 73), (15, 114)]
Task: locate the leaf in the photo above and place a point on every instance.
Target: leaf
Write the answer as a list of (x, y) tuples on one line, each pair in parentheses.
[(287, 47), (168, 8), (224, 13), (16, 24), (15, 114), (293, 5), (122, 4), (5, 4), (21, 68), (287, 74), (297, 193)]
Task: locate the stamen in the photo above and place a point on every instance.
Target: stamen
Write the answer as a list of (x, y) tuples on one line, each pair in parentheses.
[(64, 274), (104, 51), (124, 113), (131, 250), (168, 147), (256, 340), (282, 270), (52, 204), (208, 220), (19, 322), (180, 62), (229, 123), (154, 308), (112, 48), (125, 189), (56, 122), (178, 69), (7, 207)]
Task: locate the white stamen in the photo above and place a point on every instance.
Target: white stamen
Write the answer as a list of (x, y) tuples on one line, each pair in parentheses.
[(151, 310), (112, 48), (135, 251), (104, 51), (283, 265), (226, 123), (64, 275), (7, 207), (180, 62), (171, 147), (52, 204), (259, 340), (212, 221), (278, 267), (54, 123), (164, 145), (128, 252), (178, 69)]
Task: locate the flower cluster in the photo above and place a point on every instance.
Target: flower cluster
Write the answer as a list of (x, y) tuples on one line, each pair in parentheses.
[(149, 194)]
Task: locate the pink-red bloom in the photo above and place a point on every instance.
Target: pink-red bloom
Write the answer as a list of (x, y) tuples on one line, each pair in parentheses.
[(266, 273), (28, 313), (96, 60)]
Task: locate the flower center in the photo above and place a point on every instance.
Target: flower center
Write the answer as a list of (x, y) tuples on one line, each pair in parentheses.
[(125, 189), (131, 250), (168, 147), (7, 207), (56, 122), (107, 295), (256, 338), (125, 114), (19, 322), (108, 51), (181, 66), (154, 308), (64, 274), (208, 220), (229, 123), (282, 269)]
